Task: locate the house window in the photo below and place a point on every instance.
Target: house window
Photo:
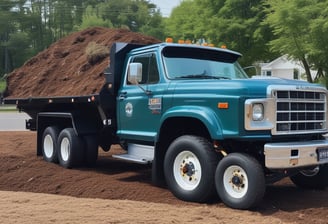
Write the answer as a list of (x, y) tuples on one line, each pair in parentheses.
[(268, 73), (296, 74)]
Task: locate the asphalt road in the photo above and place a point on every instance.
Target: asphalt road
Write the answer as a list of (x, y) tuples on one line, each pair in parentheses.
[(12, 121)]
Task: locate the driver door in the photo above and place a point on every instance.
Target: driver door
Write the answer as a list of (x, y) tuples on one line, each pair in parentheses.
[(140, 104)]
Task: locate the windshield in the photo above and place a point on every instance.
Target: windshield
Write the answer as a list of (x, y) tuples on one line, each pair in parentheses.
[(204, 65)]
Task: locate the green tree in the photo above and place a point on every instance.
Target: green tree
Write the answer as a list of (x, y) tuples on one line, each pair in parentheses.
[(126, 13), (7, 27), (91, 18), (300, 30), (154, 25), (318, 49), (36, 16), (138, 16), (238, 23), (184, 22), (19, 48), (234, 23)]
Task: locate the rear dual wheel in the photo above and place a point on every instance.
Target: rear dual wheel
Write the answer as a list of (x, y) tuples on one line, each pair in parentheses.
[(49, 144), (69, 149)]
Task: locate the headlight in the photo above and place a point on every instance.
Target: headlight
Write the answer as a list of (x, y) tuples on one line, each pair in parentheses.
[(258, 112)]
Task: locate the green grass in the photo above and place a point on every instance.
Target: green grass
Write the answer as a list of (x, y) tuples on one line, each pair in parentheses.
[(2, 85), (7, 109)]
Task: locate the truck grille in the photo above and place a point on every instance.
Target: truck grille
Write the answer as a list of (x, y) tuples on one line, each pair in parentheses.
[(300, 111)]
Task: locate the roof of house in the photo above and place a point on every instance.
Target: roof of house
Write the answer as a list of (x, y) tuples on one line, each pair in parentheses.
[(283, 62)]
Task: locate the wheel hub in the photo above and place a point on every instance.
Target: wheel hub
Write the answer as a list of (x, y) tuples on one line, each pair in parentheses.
[(187, 169), (237, 180)]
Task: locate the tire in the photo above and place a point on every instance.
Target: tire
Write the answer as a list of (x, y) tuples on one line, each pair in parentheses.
[(49, 144), (189, 167), (70, 148), (157, 171), (316, 178), (240, 181), (91, 150)]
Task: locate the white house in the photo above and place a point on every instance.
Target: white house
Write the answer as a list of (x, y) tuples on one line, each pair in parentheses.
[(284, 67)]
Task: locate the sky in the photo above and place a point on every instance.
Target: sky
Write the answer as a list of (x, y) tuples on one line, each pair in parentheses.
[(166, 6)]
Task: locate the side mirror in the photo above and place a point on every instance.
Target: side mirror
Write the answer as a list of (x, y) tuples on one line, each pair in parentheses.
[(135, 73)]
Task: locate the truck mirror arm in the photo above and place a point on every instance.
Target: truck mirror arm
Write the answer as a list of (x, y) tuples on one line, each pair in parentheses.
[(148, 92)]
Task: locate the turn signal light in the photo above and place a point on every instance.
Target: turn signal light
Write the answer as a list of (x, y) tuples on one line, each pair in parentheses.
[(223, 105), (169, 40)]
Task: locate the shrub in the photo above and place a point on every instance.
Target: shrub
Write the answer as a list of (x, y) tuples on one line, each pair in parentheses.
[(96, 52)]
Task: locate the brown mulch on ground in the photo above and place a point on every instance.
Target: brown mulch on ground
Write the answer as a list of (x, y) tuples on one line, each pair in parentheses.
[(21, 170), (64, 69)]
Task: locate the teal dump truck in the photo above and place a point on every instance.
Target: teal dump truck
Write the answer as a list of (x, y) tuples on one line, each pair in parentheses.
[(193, 113)]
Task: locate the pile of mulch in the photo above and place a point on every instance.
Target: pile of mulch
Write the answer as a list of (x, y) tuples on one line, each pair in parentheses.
[(64, 69)]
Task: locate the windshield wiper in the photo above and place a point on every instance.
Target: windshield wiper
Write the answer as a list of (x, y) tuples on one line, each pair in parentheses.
[(202, 76)]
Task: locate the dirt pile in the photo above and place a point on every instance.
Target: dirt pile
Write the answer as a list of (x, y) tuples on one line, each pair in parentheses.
[(64, 69)]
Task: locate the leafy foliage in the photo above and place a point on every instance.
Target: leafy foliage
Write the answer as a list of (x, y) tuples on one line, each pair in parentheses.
[(91, 18), (234, 23), (96, 52), (300, 29), (2, 86)]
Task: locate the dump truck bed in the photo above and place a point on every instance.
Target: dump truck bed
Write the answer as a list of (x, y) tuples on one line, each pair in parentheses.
[(32, 106)]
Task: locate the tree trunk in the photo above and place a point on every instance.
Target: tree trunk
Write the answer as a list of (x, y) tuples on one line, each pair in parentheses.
[(307, 70)]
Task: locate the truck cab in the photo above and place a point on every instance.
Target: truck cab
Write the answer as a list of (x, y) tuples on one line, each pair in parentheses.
[(192, 111)]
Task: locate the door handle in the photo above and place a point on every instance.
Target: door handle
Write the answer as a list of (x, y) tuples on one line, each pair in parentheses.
[(122, 96)]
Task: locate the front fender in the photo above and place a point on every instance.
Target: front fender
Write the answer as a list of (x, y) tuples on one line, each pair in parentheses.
[(203, 114)]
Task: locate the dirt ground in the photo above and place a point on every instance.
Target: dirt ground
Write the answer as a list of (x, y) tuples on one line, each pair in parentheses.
[(34, 191)]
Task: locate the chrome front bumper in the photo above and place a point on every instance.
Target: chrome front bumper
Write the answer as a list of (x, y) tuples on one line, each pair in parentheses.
[(295, 154)]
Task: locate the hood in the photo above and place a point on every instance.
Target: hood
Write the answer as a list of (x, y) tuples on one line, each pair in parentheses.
[(249, 88)]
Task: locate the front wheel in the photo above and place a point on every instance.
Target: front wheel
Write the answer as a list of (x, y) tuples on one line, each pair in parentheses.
[(316, 178), (189, 167), (240, 181), (70, 148)]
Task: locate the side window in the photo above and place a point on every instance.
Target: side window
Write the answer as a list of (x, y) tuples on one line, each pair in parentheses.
[(150, 74)]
